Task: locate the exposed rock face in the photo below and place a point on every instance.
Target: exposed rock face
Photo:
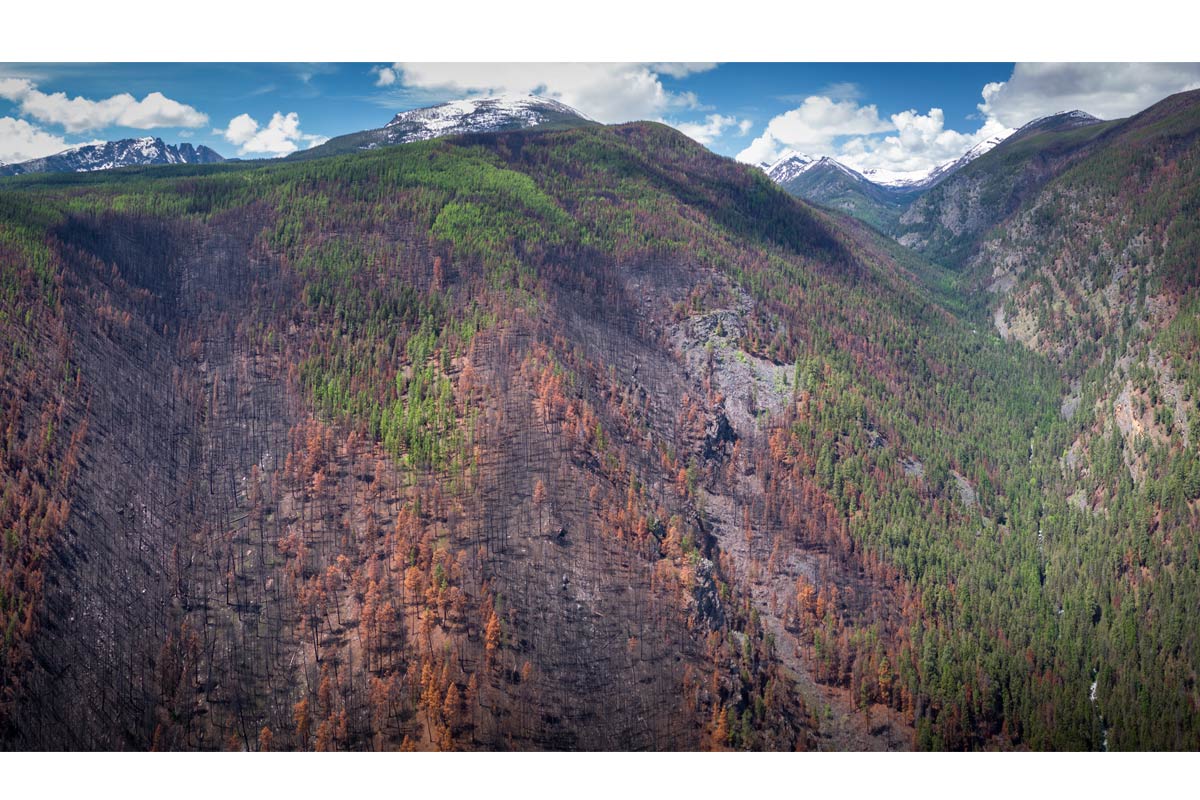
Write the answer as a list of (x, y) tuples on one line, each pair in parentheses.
[(949, 219), (717, 436)]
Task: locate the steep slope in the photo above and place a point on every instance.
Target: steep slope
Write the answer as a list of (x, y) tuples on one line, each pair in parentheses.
[(487, 432), (577, 439), (829, 183), (476, 115), (1098, 270), (877, 197), (947, 222), (147, 151)]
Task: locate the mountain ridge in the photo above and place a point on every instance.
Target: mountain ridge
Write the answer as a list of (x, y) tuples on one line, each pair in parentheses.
[(489, 114), (877, 200), (143, 151)]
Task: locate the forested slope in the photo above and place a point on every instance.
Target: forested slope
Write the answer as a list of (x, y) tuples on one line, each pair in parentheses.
[(1099, 271), (947, 222), (579, 439)]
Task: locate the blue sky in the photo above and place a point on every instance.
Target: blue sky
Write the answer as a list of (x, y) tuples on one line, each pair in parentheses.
[(887, 117)]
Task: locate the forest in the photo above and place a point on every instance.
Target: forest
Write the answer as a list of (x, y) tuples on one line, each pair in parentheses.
[(593, 439)]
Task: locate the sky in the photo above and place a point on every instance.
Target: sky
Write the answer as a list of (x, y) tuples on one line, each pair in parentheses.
[(892, 118)]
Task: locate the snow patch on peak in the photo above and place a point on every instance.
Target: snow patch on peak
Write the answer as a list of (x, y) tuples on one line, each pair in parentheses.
[(789, 166), (95, 156), (920, 179), (835, 164), (477, 115), (1074, 119)]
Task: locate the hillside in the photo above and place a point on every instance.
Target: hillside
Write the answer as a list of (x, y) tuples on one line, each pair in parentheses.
[(582, 439), (877, 197), (826, 182), (947, 222), (1098, 271)]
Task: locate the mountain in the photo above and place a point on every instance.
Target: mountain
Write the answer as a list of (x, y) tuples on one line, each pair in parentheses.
[(593, 439), (947, 221), (1055, 123), (877, 197), (1076, 251), (918, 182), (830, 183), (475, 115), (146, 151), (788, 166)]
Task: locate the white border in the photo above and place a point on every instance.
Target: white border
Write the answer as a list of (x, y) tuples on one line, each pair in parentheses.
[(608, 30), (554, 30), (665, 776)]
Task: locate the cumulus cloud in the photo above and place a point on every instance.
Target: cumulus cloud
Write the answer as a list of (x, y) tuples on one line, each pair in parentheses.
[(21, 141), (77, 114), (856, 135), (713, 126), (605, 92), (921, 141), (1108, 91), (280, 136), (813, 127)]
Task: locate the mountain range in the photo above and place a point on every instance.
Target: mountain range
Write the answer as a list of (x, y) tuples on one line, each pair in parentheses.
[(146, 151), (874, 196), (492, 114)]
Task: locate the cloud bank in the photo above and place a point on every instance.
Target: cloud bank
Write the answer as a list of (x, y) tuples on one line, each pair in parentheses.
[(79, 114), (605, 92), (21, 141), (1108, 91)]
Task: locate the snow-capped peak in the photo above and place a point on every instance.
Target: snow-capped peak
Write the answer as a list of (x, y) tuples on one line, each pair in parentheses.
[(835, 164), (479, 114), (93, 156), (1074, 117), (1062, 121), (789, 165), (919, 179), (498, 113)]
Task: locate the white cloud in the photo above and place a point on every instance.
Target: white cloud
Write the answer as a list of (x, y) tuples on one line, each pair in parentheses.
[(21, 141), (1108, 91), (921, 142), (852, 133), (813, 127), (605, 92), (282, 135), (384, 76), (712, 127), (834, 124), (76, 114)]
